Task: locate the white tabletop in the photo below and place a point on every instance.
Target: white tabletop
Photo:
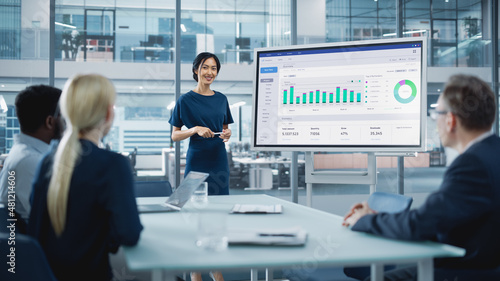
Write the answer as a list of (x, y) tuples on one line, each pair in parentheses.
[(168, 241)]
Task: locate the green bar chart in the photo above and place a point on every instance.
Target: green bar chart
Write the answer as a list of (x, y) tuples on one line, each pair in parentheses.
[(322, 97), (323, 92)]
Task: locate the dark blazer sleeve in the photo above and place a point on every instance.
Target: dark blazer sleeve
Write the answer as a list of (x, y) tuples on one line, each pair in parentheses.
[(121, 205), (464, 196)]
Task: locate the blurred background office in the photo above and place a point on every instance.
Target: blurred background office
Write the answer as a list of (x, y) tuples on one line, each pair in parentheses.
[(133, 43)]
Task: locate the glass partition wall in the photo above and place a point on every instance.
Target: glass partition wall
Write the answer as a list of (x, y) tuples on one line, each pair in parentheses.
[(132, 43)]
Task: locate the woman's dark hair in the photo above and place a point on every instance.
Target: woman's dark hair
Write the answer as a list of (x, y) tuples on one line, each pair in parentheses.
[(200, 59)]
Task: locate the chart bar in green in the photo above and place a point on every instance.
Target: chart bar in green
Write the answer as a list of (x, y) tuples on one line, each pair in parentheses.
[(345, 95), (291, 94), (358, 97), (284, 97), (304, 98), (298, 100), (351, 96), (311, 93), (338, 95), (317, 96), (331, 97), (324, 97)]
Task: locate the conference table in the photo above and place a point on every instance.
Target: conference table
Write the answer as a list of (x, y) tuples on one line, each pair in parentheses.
[(167, 246)]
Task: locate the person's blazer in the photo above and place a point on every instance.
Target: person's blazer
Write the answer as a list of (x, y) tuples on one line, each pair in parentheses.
[(464, 212)]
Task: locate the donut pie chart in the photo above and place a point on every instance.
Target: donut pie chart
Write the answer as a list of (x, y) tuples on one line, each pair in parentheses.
[(413, 91)]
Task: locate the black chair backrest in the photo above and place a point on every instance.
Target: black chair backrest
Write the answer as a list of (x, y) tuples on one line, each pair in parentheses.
[(152, 188)]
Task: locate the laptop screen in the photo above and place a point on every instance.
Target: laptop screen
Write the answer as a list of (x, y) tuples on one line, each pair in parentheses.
[(182, 194)]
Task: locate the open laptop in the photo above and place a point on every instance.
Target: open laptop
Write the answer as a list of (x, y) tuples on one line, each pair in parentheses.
[(179, 197)]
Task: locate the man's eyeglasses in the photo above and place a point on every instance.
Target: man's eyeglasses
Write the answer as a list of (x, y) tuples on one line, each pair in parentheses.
[(435, 113)]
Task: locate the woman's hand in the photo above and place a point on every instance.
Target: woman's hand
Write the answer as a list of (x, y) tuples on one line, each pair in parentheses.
[(203, 132), (226, 134)]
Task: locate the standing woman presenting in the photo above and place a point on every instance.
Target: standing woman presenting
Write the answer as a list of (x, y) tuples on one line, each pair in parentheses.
[(205, 112)]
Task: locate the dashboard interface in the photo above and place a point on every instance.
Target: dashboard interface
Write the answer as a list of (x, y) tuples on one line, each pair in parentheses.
[(360, 97)]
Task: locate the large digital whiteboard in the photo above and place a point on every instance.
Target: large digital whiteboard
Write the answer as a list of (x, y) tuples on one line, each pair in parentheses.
[(348, 96)]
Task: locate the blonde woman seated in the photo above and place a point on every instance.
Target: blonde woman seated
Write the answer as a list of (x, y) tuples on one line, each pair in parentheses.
[(83, 204)]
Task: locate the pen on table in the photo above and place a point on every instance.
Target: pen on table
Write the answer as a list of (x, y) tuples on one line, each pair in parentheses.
[(277, 234)]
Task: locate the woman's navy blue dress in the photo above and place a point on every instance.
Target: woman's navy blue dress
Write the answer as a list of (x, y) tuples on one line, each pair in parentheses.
[(206, 155)]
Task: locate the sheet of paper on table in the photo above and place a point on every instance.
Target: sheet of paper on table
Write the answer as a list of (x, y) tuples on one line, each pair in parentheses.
[(294, 236), (257, 209)]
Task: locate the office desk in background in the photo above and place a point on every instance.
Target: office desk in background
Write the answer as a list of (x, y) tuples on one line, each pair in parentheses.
[(167, 243), (260, 173)]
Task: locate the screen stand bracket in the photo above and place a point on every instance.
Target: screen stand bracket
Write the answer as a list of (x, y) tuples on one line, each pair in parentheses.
[(368, 176)]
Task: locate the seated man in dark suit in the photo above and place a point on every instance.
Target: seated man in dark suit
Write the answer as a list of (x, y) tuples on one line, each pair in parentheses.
[(465, 211)]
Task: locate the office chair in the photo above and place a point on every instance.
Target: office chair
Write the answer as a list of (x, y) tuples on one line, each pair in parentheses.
[(381, 202), (238, 173), (152, 188), (30, 261), (133, 160), (384, 202)]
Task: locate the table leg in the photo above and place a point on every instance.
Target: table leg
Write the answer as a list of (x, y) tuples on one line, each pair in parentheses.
[(309, 195), (426, 270), (156, 275), (258, 177), (170, 277), (269, 274), (254, 275), (258, 181), (377, 272), (254, 177)]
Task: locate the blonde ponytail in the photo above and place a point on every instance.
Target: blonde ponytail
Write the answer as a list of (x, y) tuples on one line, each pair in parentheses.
[(65, 158), (84, 104)]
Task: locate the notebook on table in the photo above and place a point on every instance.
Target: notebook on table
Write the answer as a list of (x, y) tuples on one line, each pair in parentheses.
[(179, 197)]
